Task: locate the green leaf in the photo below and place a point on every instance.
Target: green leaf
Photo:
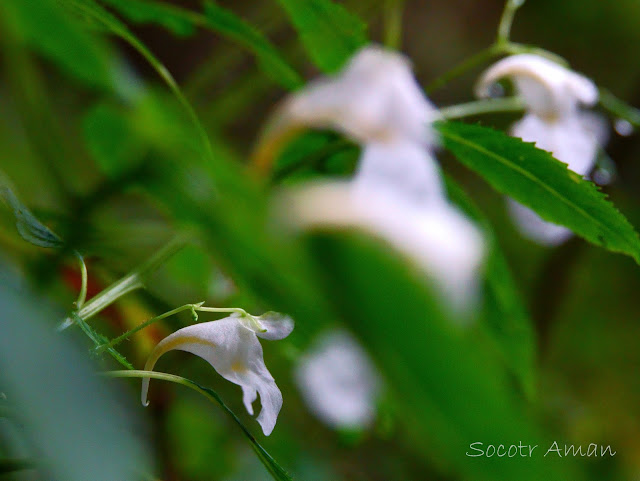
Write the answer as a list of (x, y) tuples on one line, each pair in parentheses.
[(534, 178), (29, 227), (329, 33), (506, 318), (451, 391), (216, 19), (47, 28), (231, 26), (142, 11)]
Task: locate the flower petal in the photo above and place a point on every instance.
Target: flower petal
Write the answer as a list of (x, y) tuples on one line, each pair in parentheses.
[(338, 381), (236, 354), (532, 226), (277, 325), (548, 89), (374, 98)]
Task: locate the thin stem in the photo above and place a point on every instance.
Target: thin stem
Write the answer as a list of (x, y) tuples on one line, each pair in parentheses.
[(132, 281), (83, 287), (506, 21), (393, 23), (618, 108), (507, 104), (193, 307)]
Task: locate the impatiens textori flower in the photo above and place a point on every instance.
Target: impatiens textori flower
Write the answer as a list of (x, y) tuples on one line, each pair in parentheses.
[(231, 346), (553, 96), (397, 193), (339, 382)]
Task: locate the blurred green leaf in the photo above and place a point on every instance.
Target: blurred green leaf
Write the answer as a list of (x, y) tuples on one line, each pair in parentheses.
[(47, 28), (228, 24), (166, 15), (217, 19), (29, 227), (69, 416), (450, 390), (506, 317), (534, 178), (329, 33)]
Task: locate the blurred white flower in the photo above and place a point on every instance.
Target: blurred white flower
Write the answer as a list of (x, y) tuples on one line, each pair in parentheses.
[(397, 193), (231, 346), (339, 382), (553, 96)]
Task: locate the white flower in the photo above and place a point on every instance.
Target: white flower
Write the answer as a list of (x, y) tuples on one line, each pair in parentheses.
[(397, 193), (230, 345), (553, 96), (339, 382)]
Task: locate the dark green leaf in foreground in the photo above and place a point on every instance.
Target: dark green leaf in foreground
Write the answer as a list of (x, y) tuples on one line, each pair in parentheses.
[(29, 227), (505, 317), (329, 32), (534, 178), (450, 390), (49, 30)]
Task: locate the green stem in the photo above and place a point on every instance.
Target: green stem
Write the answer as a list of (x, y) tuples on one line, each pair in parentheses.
[(267, 460), (82, 296), (132, 281), (193, 307), (618, 108), (489, 106), (121, 31), (393, 23), (506, 21)]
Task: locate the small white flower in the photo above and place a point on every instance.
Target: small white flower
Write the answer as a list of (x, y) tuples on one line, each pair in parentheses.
[(231, 346), (553, 96), (397, 193), (339, 382)]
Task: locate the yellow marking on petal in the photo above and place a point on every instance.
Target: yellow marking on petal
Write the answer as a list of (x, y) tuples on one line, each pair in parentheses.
[(239, 367)]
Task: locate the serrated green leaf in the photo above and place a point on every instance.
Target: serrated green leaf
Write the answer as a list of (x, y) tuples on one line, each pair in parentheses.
[(505, 316), (29, 227), (231, 26), (46, 27), (329, 33), (142, 11), (534, 178)]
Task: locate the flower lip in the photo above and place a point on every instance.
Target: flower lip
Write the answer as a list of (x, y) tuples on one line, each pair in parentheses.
[(548, 89)]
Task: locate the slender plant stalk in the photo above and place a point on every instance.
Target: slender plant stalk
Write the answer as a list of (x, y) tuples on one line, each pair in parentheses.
[(82, 296), (479, 107), (506, 20), (393, 12)]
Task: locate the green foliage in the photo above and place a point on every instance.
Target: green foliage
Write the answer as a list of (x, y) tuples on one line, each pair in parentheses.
[(506, 317), (29, 227), (46, 28), (164, 14), (329, 33), (450, 389), (226, 23), (534, 178)]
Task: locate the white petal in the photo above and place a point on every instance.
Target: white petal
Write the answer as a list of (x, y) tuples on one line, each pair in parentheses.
[(278, 326), (374, 98), (442, 241), (235, 353), (535, 228), (402, 168), (548, 89), (338, 381), (572, 139)]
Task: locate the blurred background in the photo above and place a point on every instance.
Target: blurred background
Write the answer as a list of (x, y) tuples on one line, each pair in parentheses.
[(83, 171)]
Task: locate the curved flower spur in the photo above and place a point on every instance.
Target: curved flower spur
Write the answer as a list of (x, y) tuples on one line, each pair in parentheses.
[(397, 193), (553, 96), (232, 348)]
